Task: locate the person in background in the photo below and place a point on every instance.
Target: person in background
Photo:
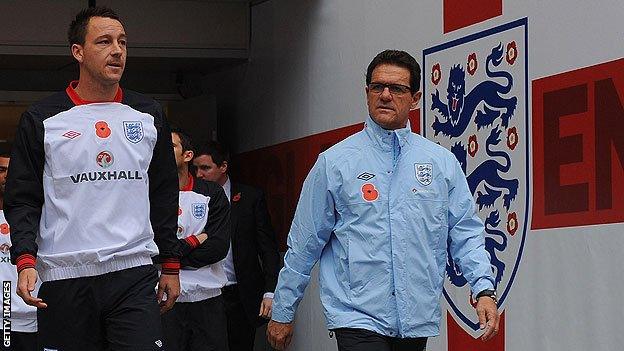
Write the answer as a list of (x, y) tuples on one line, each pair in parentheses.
[(197, 321), (23, 327), (252, 262)]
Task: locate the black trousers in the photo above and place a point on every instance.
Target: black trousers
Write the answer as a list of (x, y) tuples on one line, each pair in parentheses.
[(196, 326), (21, 342), (350, 339), (113, 311), (241, 333)]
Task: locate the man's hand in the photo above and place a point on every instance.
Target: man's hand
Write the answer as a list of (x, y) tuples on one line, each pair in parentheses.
[(202, 237), (279, 334), (488, 317), (168, 284), (26, 281), (265, 308)]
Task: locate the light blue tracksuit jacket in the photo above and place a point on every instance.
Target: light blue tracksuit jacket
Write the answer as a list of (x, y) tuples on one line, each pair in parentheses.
[(377, 209)]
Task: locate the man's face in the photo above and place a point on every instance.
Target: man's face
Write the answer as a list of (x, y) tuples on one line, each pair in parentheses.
[(391, 111), (103, 55), (181, 157), (4, 166), (208, 170)]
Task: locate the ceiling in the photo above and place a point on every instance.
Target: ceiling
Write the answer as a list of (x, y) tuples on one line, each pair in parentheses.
[(200, 37)]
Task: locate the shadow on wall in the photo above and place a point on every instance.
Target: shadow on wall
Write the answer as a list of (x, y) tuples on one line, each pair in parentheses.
[(281, 169), (268, 97)]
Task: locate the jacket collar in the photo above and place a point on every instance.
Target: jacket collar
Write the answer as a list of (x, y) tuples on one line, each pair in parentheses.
[(227, 188), (189, 184), (384, 138), (77, 100)]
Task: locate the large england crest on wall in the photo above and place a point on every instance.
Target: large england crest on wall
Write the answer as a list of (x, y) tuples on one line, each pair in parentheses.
[(475, 104)]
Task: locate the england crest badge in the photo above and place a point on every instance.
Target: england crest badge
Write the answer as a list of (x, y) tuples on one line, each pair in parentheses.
[(198, 210), (475, 105), (133, 130), (424, 173)]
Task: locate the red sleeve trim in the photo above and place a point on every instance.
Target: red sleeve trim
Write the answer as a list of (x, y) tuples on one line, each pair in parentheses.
[(171, 266), (25, 261), (193, 241)]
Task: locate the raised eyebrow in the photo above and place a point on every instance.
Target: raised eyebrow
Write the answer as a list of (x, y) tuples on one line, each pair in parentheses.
[(110, 36)]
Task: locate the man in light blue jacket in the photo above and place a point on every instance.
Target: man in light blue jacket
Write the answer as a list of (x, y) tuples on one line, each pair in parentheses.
[(378, 209)]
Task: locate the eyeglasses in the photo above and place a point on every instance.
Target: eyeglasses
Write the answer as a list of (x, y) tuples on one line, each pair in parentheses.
[(394, 89)]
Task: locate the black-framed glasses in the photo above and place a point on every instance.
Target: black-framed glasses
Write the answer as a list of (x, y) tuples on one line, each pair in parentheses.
[(394, 89)]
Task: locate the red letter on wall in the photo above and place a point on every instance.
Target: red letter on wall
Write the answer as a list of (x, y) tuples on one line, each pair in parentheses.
[(609, 143), (561, 106), (578, 147)]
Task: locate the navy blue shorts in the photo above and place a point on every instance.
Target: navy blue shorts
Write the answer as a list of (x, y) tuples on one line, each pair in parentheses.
[(113, 311), (196, 326)]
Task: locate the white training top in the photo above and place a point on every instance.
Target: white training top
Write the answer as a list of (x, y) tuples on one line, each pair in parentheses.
[(23, 317), (205, 282)]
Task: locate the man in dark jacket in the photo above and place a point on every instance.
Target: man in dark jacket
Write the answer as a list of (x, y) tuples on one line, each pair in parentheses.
[(252, 263)]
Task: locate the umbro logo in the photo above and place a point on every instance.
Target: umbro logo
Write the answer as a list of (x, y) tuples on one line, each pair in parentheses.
[(158, 343), (72, 134), (366, 176)]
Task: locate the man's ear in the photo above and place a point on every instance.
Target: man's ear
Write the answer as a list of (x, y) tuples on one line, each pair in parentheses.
[(188, 155), (77, 52), (224, 167), (416, 98)]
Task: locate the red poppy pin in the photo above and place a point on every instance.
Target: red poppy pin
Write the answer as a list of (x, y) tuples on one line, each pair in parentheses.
[(236, 197)]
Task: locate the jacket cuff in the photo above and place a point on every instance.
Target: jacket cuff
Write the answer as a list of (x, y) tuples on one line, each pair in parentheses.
[(483, 283), (192, 241), (25, 261), (282, 315), (171, 266)]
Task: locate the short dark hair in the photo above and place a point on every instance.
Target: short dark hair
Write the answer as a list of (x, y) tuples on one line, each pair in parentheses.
[(185, 140), (5, 150), (216, 151), (397, 58), (78, 27)]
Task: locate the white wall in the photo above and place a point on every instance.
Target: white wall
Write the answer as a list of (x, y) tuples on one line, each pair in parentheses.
[(308, 58), (306, 75)]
